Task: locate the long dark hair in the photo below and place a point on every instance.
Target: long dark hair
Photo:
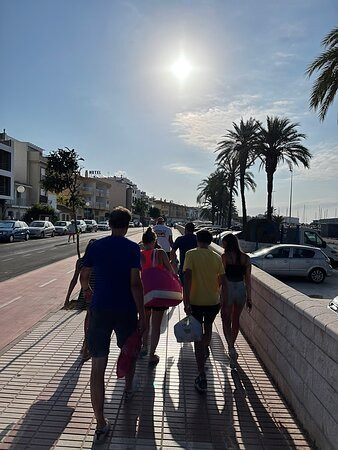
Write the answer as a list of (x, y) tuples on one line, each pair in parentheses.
[(88, 245), (232, 245)]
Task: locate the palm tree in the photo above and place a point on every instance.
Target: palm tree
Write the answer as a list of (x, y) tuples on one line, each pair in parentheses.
[(212, 193), (325, 87), (242, 143), (231, 169), (280, 142)]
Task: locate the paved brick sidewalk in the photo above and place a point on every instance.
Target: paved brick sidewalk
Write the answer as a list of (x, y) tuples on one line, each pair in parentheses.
[(45, 402)]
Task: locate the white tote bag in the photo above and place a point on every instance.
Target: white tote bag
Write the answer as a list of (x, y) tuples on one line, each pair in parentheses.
[(188, 330)]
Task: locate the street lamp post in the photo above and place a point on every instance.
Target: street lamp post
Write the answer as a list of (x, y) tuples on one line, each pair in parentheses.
[(290, 207), (20, 189)]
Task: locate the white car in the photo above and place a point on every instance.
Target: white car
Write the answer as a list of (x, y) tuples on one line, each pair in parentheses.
[(81, 226), (61, 227), (103, 226), (293, 260), (131, 225)]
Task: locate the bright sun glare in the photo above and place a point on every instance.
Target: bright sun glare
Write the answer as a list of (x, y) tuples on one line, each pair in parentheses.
[(181, 68)]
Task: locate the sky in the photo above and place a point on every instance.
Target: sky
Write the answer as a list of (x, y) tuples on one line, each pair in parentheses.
[(97, 76)]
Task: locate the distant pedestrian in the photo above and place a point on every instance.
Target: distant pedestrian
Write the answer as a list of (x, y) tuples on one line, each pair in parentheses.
[(73, 282), (71, 231), (183, 244), (203, 278), (150, 255), (117, 305), (164, 235), (237, 268)]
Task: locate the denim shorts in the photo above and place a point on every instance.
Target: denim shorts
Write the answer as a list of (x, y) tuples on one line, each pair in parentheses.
[(236, 293), (101, 325)]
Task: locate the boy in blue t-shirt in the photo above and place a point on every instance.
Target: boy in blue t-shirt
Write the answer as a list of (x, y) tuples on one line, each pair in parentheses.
[(117, 304)]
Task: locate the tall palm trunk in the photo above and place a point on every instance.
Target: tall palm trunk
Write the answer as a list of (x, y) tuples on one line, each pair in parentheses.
[(269, 176), (231, 191), (242, 189)]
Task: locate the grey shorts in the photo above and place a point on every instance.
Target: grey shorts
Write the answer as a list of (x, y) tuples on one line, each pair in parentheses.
[(236, 293)]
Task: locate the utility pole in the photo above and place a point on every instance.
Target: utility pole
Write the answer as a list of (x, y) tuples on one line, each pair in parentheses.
[(290, 208)]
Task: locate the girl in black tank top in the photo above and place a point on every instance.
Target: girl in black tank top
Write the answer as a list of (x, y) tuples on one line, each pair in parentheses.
[(237, 268)]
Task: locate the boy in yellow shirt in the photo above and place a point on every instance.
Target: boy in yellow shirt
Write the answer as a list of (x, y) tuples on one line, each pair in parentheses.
[(203, 277)]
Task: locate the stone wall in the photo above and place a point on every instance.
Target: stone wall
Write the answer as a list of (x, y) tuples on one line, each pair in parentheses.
[(296, 338)]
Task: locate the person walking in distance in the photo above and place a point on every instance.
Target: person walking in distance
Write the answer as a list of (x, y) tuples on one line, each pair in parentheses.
[(183, 244), (117, 305), (237, 268), (164, 235), (71, 231), (152, 257), (203, 277)]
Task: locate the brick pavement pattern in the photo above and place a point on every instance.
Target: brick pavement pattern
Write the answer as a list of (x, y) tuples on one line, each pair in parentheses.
[(45, 397)]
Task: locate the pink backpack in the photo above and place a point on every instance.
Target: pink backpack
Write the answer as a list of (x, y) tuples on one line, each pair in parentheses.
[(161, 287)]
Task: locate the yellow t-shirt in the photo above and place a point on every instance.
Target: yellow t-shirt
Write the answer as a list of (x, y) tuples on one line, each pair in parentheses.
[(206, 266)]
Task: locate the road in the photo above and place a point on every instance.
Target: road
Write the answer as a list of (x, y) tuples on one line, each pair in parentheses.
[(20, 257)]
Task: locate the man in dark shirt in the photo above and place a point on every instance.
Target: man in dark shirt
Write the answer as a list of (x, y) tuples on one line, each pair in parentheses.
[(183, 244), (117, 304)]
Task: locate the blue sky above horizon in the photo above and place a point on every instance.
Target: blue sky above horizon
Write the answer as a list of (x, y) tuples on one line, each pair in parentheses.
[(95, 75)]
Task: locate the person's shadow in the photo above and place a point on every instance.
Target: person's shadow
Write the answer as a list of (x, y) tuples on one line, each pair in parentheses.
[(33, 427)]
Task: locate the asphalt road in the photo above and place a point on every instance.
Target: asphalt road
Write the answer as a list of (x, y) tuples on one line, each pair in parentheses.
[(19, 257)]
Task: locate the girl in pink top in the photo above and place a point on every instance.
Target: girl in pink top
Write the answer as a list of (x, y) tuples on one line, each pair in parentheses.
[(155, 313)]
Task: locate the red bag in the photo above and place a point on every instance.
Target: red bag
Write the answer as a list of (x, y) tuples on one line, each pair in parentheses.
[(161, 287), (129, 352)]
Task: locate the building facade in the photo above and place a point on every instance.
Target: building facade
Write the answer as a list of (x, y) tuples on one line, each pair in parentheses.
[(96, 197), (6, 173), (28, 167)]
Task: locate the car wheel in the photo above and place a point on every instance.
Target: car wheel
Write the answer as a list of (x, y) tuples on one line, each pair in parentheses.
[(42, 234), (317, 275), (11, 238), (26, 237)]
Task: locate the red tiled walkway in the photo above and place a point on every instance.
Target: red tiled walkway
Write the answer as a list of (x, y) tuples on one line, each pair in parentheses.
[(45, 401)]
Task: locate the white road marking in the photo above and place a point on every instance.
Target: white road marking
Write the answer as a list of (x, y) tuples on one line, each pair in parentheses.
[(48, 282), (69, 271), (29, 254), (42, 251), (10, 301), (8, 259)]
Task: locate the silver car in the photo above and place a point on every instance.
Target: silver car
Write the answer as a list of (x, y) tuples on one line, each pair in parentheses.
[(41, 229), (294, 260)]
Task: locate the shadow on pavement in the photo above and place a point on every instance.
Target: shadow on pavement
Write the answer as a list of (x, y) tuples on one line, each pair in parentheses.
[(45, 420)]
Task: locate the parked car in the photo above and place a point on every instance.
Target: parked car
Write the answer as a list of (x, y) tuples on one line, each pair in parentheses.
[(91, 225), (294, 260), (81, 226), (41, 229), (104, 225), (131, 225), (61, 227), (13, 229)]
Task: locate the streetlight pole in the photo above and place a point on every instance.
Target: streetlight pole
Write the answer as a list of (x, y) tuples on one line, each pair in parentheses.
[(290, 208)]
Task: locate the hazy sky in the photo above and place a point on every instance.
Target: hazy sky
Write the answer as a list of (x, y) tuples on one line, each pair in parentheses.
[(96, 76)]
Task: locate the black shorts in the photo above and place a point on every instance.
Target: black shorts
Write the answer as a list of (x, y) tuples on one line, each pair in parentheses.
[(101, 325), (205, 314)]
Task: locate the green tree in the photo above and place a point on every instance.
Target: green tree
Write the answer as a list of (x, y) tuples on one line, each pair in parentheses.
[(62, 176), (241, 143), (40, 210), (280, 142), (140, 208), (154, 212), (326, 64)]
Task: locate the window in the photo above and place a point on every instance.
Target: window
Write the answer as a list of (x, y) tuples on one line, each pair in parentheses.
[(5, 186), (5, 160), (303, 253), (282, 252), (312, 238)]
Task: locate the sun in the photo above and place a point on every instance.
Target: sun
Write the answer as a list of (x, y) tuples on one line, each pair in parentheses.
[(181, 68)]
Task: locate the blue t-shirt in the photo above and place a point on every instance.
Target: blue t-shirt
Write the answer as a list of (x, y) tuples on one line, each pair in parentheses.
[(183, 244), (112, 259)]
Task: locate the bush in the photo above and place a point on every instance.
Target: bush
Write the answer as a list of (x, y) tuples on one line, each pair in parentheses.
[(40, 211)]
